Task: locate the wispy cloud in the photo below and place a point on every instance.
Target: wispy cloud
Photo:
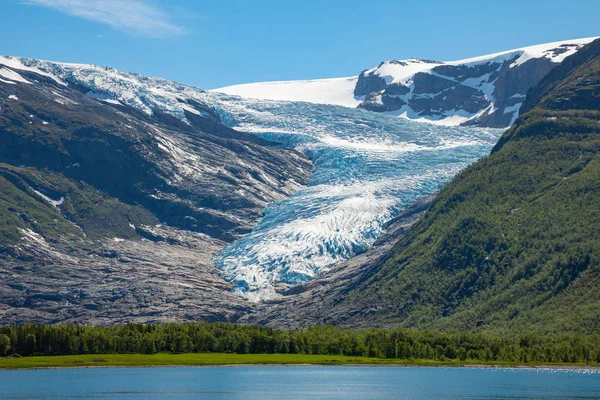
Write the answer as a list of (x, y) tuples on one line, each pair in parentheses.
[(132, 16)]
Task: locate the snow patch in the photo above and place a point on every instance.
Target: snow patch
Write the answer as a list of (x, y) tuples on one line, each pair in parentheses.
[(55, 203), (337, 91), (513, 108), (12, 76), (403, 71), (20, 64), (555, 52), (102, 97), (191, 110)]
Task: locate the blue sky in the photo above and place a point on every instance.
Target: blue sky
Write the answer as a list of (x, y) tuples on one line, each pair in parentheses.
[(214, 43)]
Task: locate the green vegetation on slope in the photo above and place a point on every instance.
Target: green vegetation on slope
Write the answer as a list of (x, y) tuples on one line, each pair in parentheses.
[(98, 215), (392, 344), (512, 242), (19, 210)]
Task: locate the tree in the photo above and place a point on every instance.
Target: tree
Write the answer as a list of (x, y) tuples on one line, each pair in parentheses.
[(30, 343), (4, 345)]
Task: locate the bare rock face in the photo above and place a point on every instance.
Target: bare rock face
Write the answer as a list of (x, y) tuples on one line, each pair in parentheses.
[(110, 214), (449, 96), (369, 83), (486, 91), (116, 281), (510, 88)]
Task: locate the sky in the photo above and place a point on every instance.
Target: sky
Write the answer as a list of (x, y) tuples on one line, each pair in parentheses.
[(216, 43)]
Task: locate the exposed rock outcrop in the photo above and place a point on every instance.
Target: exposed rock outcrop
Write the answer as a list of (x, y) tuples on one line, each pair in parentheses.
[(487, 91)]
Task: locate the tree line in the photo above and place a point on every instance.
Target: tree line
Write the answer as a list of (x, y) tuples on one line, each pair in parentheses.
[(28, 340)]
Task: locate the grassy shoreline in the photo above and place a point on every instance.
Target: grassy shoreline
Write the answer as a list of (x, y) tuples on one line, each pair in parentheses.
[(230, 359)]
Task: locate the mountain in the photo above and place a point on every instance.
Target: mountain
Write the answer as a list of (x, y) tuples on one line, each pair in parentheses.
[(482, 91), (113, 212), (509, 245), (128, 198), (366, 168)]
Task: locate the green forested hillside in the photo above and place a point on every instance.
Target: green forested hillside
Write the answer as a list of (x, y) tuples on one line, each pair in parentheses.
[(513, 242), (25, 203)]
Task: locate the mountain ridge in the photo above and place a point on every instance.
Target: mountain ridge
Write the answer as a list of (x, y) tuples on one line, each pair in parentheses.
[(178, 156), (110, 175), (482, 91)]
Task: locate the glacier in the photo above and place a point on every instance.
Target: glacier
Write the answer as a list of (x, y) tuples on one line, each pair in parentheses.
[(367, 168)]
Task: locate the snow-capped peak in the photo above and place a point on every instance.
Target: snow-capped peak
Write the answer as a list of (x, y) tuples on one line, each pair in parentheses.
[(458, 92)]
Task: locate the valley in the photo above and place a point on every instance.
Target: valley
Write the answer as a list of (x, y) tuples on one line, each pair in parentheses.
[(299, 200), (367, 168), (129, 198)]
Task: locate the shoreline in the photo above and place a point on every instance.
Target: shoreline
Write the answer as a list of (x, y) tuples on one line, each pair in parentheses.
[(534, 367), (167, 360)]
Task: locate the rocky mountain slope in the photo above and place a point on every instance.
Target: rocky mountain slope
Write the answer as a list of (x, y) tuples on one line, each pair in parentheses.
[(483, 91), (114, 210), (131, 198), (121, 162), (510, 244), (367, 168)]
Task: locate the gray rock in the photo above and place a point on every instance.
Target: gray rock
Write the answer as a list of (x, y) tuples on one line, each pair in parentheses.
[(368, 83), (112, 282), (489, 93)]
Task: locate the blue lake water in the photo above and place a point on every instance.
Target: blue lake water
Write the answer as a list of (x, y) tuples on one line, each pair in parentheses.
[(265, 383)]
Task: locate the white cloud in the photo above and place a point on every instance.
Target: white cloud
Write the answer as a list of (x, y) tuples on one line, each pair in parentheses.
[(128, 15)]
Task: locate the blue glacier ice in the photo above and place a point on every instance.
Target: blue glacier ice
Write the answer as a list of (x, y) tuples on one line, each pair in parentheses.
[(368, 167)]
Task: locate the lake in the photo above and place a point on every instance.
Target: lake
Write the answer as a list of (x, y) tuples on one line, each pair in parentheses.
[(298, 382)]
